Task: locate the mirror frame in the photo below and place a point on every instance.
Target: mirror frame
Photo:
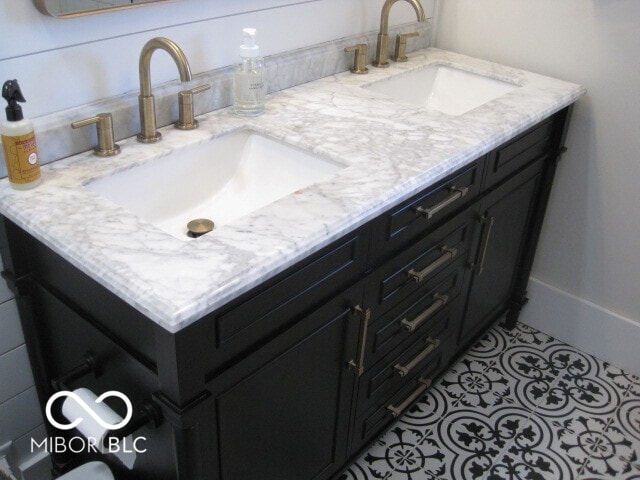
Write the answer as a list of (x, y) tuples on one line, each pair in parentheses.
[(41, 6)]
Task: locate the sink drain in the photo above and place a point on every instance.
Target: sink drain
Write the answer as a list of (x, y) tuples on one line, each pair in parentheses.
[(199, 226)]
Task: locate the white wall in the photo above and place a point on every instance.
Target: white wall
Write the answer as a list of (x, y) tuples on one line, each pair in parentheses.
[(71, 62), (590, 248)]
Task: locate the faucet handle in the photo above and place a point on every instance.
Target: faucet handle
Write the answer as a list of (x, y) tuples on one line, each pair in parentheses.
[(360, 59), (401, 46), (104, 125), (186, 117)]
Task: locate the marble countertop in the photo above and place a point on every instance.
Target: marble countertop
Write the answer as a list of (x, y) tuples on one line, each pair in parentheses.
[(390, 151)]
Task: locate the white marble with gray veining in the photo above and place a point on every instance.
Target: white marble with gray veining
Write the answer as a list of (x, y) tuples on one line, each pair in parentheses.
[(391, 152)]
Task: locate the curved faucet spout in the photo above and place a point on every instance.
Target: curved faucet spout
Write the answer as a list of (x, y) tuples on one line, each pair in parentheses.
[(386, 9), (148, 132), (169, 46), (383, 36)]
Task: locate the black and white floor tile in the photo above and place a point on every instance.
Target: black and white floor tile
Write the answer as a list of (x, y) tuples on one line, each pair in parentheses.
[(519, 406)]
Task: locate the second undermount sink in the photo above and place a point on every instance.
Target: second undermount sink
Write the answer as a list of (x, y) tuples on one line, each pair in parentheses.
[(445, 89), (221, 180)]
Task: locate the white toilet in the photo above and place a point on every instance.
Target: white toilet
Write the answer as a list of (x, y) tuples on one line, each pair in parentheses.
[(91, 470)]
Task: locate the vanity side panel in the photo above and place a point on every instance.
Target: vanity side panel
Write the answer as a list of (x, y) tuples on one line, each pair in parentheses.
[(65, 338), (104, 310)]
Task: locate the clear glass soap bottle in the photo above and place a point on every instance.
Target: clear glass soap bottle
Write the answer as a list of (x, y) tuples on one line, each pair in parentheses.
[(249, 83)]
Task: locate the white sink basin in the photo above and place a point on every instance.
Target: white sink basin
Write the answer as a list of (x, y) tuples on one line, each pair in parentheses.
[(445, 89), (221, 180)]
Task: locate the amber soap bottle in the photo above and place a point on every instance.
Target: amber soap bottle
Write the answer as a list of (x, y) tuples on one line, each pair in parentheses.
[(19, 141)]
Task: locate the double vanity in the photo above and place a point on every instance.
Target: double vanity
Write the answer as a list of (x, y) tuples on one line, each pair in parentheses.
[(367, 229)]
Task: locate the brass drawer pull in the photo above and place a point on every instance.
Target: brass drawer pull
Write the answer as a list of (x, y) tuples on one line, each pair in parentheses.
[(397, 411), (365, 316), (404, 370), (448, 254), (439, 301), (456, 193), (478, 267)]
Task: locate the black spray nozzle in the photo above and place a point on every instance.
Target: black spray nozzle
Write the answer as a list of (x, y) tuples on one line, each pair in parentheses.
[(12, 94)]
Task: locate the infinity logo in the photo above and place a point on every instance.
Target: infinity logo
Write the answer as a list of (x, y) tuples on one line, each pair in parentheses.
[(89, 410)]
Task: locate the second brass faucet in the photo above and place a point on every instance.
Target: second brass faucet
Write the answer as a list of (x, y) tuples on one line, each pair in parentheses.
[(148, 132), (383, 37)]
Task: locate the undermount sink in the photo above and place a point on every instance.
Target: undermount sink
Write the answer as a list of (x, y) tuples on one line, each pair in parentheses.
[(445, 89), (221, 180)]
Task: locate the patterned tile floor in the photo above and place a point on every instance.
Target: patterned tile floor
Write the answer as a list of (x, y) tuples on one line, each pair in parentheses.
[(519, 405)]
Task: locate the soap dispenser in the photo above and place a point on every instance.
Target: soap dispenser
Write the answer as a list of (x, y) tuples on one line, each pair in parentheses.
[(249, 86), (19, 141)]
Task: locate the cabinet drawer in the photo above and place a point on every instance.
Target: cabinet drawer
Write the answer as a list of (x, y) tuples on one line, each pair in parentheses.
[(381, 381), (418, 313), (269, 309), (376, 419), (413, 218), (417, 267), (517, 153)]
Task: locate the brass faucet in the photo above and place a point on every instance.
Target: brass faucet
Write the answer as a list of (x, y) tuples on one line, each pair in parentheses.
[(383, 37), (148, 132)]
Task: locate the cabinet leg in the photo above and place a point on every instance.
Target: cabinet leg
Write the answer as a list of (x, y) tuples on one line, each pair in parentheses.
[(513, 314)]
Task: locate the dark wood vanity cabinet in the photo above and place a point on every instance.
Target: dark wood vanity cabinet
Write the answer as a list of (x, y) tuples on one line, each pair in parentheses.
[(295, 378)]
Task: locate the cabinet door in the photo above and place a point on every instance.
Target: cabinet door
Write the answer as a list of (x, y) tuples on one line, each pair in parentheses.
[(284, 411), (505, 216)]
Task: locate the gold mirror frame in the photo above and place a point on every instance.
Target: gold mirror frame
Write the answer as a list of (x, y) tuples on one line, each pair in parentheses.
[(50, 7)]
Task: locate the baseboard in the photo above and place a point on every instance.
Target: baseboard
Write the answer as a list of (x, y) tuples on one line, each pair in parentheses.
[(584, 325)]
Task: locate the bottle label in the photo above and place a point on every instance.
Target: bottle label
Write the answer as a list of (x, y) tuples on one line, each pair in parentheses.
[(21, 156)]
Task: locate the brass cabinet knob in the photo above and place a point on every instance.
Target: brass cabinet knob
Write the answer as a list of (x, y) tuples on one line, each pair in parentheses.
[(104, 124), (401, 46), (360, 59), (186, 117)]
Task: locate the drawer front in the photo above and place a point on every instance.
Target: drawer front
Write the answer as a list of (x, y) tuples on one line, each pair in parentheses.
[(381, 381), (413, 218), (417, 267), (435, 303), (379, 416), (518, 152), (266, 311)]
